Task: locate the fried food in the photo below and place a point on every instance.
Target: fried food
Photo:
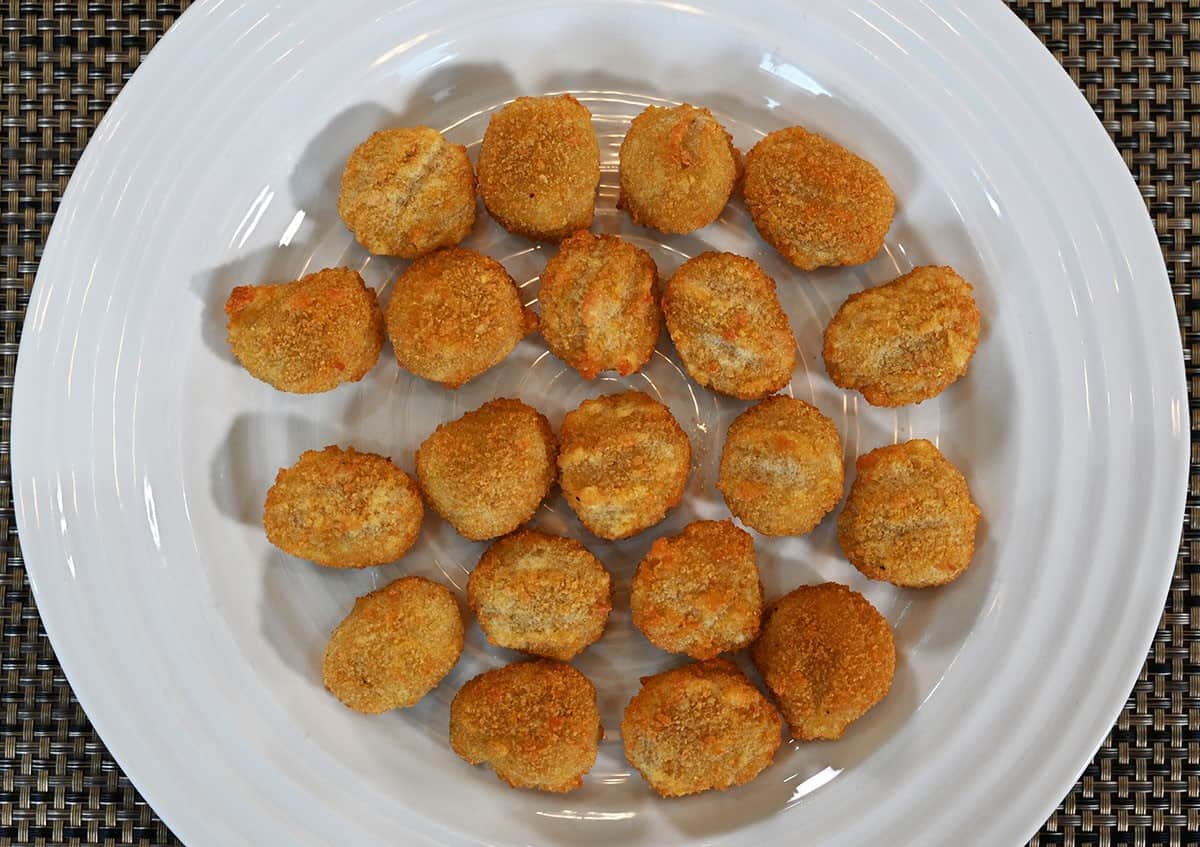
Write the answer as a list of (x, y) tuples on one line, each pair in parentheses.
[(909, 518), (624, 462), (678, 168), (816, 202), (343, 509), (407, 192), (454, 314), (827, 656), (487, 472), (781, 467), (906, 341), (306, 336), (540, 593), (700, 727), (394, 647), (539, 167), (698, 592), (536, 723), (727, 324), (599, 304)]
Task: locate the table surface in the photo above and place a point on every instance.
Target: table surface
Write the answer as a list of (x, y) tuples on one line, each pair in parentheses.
[(1138, 63)]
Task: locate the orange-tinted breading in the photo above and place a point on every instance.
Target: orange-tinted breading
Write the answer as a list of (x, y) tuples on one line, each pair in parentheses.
[(600, 304), (454, 314), (487, 472), (816, 202), (343, 509), (698, 592), (909, 518), (700, 727), (306, 336), (539, 167), (906, 341), (394, 647), (535, 723), (406, 192), (827, 656)]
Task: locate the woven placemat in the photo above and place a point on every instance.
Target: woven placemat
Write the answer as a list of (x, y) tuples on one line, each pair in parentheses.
[(64, 62)]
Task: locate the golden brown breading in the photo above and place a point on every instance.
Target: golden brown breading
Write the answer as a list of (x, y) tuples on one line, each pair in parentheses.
[(540, 593), (909, 518), (306, 336), (816, 202), (698, 592), (343, 509), (394, 647), (487, 472), (600, 304), (700, 727), (535, 723), (406, 192), (624, 462), (454, 314), (781, 467), (539, 167), (906, 341), (731, 333), (678, 168), (827, 656)]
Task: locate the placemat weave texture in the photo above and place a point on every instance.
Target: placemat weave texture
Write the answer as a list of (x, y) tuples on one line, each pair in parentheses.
[(1138, 63)]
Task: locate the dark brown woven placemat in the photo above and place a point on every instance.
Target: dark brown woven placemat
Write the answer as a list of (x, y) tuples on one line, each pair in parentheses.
[(64, 62)]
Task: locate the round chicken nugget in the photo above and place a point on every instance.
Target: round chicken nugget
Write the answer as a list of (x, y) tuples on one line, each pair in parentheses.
[(827, 656), (816, 202), (731, 333), (394, 647), (624, 462), (781, 467), (909, 518), (678, 168), (407, 192), (540, 593), (905, 341), (454, 314), (599, 304), (536, 723), (343, 509), (487, 472), (539, 167), (699, 727), (306, 336), (698, 593)]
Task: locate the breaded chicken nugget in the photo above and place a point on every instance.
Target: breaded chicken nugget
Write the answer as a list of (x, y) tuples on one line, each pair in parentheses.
[(306, 336), (624, 462), (394, 647), (406, 192), (699, 727), (727, 324), (827, 656), (698, 593), (909, 518), (539, 167), (536, 723), (906, 341), (600, 304), (678, 168), (343, 509), (781, 467), (816, 202), (487, 472), (454, 314), (540, 593)]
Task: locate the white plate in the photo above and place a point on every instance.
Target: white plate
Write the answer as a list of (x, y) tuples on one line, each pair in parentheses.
[(142, 452)]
